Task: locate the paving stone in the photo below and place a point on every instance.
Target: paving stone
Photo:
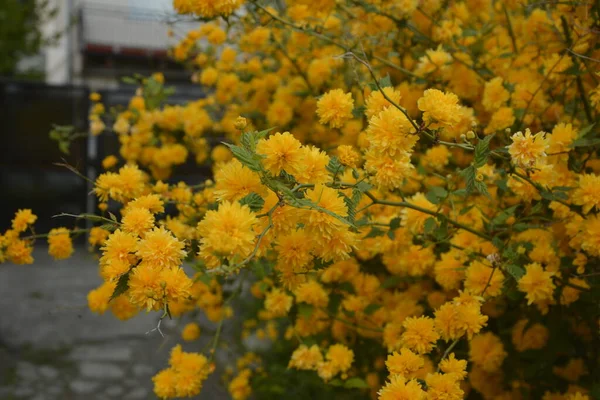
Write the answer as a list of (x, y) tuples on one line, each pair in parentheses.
[(114, 391), (83, 387), (138, 393), (101, 353), (101, 371), (48, 372), (54, 390), (24, 391), (26, 371), (142, 370)]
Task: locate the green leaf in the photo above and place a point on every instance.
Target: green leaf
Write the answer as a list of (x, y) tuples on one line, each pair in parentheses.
[(515, 271), (482, 188), (122, 286), (254, 201), (395, 223), (375, 232), (245, 156), (356, 383), (504, 215), (358, 112), (371, 308), (430, 225), (334, 165), (482, 151), (385, 82), (305, 310), (584, 131), (129, 80), (436, 194), (469, 175), (391, 282), (351, 208), (363, 186)]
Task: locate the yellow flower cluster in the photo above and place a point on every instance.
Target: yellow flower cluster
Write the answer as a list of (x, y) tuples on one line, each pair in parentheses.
[(409, 189)]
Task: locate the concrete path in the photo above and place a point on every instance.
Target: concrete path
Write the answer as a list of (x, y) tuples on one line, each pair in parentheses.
[(53, 348)]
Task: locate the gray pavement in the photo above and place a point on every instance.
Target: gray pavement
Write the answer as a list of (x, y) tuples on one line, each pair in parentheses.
[(53, 348)]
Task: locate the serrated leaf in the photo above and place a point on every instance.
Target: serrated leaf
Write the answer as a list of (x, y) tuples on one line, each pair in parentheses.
[(253, 201), (482, 188), (112, 216), (371, 308), (351, 208), (482, 151), (469, 175), (515, 271), (356, 383), (246, 157), (584, 131), (334, 165), (385, 81), (122, 286), (363, 186), (504, 215)]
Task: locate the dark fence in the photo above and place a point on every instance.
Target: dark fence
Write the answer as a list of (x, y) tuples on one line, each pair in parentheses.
[(28, 176)]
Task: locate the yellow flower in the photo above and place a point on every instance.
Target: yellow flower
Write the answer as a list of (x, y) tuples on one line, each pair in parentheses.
[(571, 294), (406, 363), (277, 303), (281, 151), (190, 332), (340, 356), (335, 108), (319, 222), (439, 109), (98, 298), (376, 102), (348, 156), (453, 366), (419, 334), (109, 161), (494, 94), (480, 277), (572, 371), (400, 389), (536, 284), (534, 338), (23, 218), (60, 244), (528, 150), (312, 293), (294, 249), (306, 358), (227, 232), (487, 351), (234, 181), (137, 221), (391, 133), (443, 387), (313, 166), (161, 249), (239, 387), (587, 193)]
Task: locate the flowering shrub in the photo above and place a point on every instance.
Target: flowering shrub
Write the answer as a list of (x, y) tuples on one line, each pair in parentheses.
[(410, 187)]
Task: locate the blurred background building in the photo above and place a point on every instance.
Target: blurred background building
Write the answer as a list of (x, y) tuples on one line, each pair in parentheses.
[(108, 39)]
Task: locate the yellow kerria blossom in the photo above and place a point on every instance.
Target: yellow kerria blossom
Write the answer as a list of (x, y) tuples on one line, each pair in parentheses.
[(335, 108), (281, 151), (528, 150), (536, 283), (60, 245)]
